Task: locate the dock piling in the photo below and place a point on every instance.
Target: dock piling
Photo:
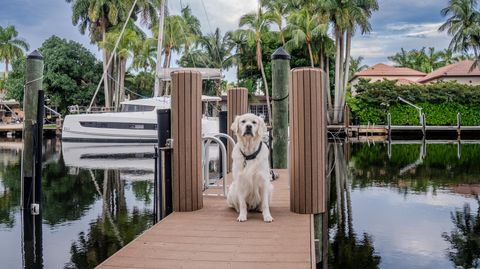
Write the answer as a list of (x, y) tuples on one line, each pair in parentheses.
[(237, 103), (34, 78), (308, 132), (187, 140), (280, 82)]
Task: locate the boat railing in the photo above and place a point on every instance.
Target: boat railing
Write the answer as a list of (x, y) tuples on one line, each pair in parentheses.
[(207, 139), (75, 109)]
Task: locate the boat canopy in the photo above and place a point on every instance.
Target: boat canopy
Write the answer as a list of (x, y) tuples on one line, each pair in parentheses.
[(207, 73)]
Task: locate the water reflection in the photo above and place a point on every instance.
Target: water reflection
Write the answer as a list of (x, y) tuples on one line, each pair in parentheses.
[(464, 250), (347, 249), (392, 207), (88, 212)]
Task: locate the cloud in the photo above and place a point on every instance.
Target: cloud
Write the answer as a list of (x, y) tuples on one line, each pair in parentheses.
[(409, 24)]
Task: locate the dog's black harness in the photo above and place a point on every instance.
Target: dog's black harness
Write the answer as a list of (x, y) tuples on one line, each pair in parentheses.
[(251, 156)]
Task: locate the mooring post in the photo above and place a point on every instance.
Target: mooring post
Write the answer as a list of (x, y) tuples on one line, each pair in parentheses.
[(424, 125), (308, 132), (459, 124), (187, 140), (389, 124), (280, 83), (237, 104), (34, 79)]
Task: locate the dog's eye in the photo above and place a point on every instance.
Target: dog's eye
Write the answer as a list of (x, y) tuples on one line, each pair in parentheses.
[(243, 121), (254, 122)]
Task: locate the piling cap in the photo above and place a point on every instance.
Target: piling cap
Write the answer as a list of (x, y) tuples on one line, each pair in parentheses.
[(280, 53), (35, 55)]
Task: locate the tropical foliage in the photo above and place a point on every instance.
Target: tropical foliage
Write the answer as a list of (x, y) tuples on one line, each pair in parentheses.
[(70, 74), (11, 46), (463, 24), (426, 60), (440, 102)]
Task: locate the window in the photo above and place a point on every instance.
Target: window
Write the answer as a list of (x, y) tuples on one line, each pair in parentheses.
[(136, 108), (119, 125), (260, 110)]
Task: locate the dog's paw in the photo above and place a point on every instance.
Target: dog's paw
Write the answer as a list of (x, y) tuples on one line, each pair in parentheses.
[(242, 218), (267, 218)]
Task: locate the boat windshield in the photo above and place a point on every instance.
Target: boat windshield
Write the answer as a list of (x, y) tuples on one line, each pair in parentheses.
[(136, 108)]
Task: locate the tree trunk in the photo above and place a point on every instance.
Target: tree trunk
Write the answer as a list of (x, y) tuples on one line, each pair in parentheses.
[(310, 53), (346, 72), (6, 67), (123, 65), (105, 67), (327, 88), (161, 22), (338, 63), (116, 89), (267, 94), (282, 36)]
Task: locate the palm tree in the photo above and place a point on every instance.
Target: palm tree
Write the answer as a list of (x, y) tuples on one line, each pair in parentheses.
[(277, 10), (257, 26), (356, 66), (128, 42), (172, 40), (11, 47), (303, 27), (447, 57), (218, 52), (145, 55), (192, 31), (464, 26), (98, 16), (345, 15), (400, 59)]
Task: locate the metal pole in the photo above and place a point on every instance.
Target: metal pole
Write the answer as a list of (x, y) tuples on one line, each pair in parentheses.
[(424, 125), (34, 78), (155, 186), (389, 120), (459, 124), (280, 84), (37, 194)]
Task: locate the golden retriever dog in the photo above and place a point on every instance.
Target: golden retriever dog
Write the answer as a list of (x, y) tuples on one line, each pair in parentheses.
[(251, 188)]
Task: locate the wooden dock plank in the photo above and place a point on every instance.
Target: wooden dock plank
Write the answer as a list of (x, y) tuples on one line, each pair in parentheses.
[(211, 238)]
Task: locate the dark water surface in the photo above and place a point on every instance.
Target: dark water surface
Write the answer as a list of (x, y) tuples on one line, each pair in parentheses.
[(410, 206), (92, 206), (414, 209)]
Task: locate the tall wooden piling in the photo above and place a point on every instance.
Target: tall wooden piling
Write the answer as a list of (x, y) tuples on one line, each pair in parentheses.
[(308, 134), (34, 79), (280, 82), (187, 140), (237, 104)]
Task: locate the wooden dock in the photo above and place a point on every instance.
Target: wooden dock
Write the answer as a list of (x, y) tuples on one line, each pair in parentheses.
[(211, 238)]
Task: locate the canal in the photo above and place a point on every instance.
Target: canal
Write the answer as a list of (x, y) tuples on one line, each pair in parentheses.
[(389, 206)]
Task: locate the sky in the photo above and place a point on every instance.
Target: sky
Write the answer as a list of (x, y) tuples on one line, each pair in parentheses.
[(408, 24)]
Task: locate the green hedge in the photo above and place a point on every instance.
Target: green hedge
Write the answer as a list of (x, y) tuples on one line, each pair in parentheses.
[(440, 102)]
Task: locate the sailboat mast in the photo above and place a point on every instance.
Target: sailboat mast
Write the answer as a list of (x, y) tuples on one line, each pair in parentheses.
[(159, 47)]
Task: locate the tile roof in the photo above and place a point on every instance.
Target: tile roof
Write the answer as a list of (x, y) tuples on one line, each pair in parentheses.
[(404, 81), (460, 69), (387, 70)]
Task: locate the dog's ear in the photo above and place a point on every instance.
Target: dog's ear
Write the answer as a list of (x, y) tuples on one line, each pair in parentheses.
[(234, 126), (262, 127)]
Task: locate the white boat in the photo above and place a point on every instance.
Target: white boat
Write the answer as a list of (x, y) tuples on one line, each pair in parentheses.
[(137, 122)]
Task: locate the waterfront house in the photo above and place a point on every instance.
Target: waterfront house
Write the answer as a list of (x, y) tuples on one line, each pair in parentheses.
[(378, 72), (460, 72)]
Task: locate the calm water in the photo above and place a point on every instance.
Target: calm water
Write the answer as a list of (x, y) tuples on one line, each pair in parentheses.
[(413, 208)]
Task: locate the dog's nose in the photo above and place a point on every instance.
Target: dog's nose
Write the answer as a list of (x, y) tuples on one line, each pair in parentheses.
[(249, 127)]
